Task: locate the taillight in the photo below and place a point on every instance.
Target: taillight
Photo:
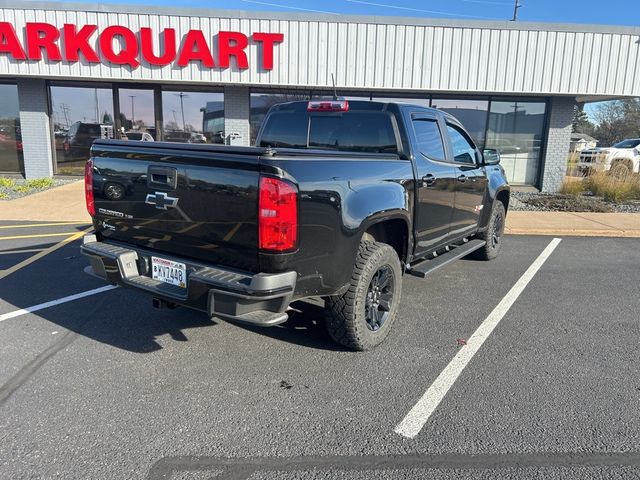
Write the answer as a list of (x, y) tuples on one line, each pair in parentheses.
[(88, 187), (277, 215), (328, 106)]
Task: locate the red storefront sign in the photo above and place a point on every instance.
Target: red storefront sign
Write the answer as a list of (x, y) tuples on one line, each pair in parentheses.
[(121, 46)]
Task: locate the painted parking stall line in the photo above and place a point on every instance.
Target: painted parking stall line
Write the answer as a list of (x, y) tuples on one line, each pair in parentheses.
[(411, 425), (43, 253), (52, 303)]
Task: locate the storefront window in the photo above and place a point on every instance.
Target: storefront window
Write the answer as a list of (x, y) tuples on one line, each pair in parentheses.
[(422, 101), (262, 102), (193, 117), (10, 140), (516, 129), (471, 113), (137, 114), (80, 115)]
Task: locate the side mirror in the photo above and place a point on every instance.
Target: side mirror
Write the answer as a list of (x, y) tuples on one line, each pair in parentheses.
[(491, 156)]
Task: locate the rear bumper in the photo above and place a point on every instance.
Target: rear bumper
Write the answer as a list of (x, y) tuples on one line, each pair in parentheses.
[(255, 298)]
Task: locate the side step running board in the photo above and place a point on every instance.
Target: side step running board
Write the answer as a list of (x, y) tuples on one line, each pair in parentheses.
[(425, 267)]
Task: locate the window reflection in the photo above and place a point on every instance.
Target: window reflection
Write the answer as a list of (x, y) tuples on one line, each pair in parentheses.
[(11, 160), (471, 113), (80, 115), (262, 102), (516, 130), (423, 102), (137, 114), (193, 117)]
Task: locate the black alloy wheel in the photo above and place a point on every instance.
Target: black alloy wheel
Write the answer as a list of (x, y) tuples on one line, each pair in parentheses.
[(498, 229), (379, 297)]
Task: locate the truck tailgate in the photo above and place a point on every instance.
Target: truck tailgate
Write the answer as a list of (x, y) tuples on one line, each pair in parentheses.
[(196, 201)]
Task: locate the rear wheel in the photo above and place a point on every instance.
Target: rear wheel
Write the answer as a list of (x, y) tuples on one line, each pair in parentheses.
[(493, 234), (362, 317), (113, 191)]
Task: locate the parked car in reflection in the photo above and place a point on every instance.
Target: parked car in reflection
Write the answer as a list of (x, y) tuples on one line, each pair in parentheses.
[(504, 146), (197, 138), (109, 186), (138, 136), (176, 136), (78, 141), (7, 142)]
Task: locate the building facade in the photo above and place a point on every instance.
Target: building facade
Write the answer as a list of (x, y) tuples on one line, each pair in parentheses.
[(70, 73)]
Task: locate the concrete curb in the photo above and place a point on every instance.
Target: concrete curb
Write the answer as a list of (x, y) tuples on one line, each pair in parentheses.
[(573, 233)]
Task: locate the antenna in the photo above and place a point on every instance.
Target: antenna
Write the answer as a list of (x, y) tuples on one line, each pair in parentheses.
[(516, 6), (335, 92)]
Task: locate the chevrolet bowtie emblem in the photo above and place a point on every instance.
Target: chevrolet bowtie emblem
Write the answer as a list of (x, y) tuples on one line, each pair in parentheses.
[(161, 200)]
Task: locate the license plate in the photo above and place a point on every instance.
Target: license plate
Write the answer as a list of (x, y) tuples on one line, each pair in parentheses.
[(173, 273)]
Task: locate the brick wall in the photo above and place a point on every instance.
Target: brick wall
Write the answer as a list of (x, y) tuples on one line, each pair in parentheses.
[(558, 140), (35, 128), (236, 115)]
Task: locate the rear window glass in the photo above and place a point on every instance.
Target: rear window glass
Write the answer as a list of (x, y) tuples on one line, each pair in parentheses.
[(89, 129), (628, 144), (354, 131), (285, 129)]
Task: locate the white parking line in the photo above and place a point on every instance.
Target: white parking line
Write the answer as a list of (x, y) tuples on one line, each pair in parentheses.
[(411, 425), (70, 298)]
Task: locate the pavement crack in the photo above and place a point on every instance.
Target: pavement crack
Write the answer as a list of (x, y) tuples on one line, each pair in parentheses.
[(26, 372)]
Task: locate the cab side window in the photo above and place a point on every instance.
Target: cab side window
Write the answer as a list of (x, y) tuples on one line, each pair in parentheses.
[(464, 151), (429, 139)]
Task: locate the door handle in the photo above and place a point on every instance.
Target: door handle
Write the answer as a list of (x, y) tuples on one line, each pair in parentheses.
[(429, 179), (162, 177), (462, 178)]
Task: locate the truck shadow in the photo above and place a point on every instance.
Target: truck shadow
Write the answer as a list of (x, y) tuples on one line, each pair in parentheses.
[(305, 327), (125, 319)]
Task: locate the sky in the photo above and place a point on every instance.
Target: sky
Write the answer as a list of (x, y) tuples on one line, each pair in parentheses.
[(612, 12)]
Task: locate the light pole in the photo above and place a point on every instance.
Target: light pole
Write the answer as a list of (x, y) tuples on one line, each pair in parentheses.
[(65, 111), (182, 95), (133, 115), (95, 90)]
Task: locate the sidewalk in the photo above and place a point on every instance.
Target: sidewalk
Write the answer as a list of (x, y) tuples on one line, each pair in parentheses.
[(61, 204), (574, 224), (66, 204)]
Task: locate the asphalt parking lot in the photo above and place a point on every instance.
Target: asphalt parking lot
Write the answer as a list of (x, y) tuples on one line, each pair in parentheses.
[(103, 386)]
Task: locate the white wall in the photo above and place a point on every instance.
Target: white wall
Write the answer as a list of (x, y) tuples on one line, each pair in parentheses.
[(375, 52)]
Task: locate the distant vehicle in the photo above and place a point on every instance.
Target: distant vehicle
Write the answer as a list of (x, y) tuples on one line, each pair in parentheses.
[(338, 200), (504, 146), (139, 136), (7, 142), (620, 160), (197, 138), (176, 136), (77, 143)]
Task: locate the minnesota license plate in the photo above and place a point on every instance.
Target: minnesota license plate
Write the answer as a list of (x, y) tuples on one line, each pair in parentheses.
[(173, 273)]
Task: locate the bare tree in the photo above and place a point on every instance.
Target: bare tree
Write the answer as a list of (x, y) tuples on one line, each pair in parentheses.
[(617, 120)]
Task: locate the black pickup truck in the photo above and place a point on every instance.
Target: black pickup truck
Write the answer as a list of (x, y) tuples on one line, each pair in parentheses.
[(338, 200)]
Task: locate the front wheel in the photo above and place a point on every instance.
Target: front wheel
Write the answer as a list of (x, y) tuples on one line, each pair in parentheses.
[(493, 234), (362, 317)]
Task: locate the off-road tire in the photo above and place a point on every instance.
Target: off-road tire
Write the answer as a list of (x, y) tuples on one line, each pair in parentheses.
[(493, 234), (346, 315)]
